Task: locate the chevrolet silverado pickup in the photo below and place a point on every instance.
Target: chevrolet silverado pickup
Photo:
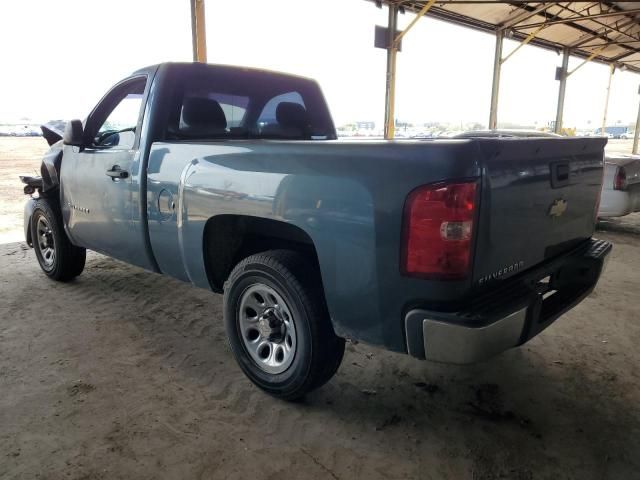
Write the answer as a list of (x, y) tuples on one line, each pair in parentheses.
[(232, 179)]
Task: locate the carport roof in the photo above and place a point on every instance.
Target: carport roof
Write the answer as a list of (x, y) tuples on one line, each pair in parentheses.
[(606, 32)]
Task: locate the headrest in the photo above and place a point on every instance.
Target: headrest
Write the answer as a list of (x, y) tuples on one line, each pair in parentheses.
[(203, 113), (290, 114)]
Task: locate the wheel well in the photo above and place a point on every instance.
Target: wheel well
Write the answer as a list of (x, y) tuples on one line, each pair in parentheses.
[(54, 200), (230, 238)]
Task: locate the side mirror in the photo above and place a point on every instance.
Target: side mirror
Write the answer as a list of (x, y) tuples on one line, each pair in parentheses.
[(73, 133)]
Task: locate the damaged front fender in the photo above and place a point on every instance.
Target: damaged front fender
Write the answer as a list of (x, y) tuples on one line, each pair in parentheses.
[(53, 131), (50, 168)]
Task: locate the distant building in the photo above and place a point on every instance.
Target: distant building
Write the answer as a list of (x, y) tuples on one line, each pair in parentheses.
[(365, 125)]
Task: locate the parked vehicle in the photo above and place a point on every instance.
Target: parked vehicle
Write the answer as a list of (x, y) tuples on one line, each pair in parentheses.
[(612, 132), (626, 135), (231, 179), (507, 133), (19, 131), (621, 186)]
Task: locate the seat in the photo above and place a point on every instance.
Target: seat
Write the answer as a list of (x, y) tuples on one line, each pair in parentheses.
[(292, 122), (202, 118)]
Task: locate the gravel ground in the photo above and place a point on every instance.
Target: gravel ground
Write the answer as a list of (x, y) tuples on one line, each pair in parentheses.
[(127, 374)]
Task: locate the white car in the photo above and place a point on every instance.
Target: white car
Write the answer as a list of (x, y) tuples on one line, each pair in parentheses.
[(620, 186), (626, 135)]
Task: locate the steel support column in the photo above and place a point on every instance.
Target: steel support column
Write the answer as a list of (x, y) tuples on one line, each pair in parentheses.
[(198, 31), (562, 90), (637, 132), (495, 86), (612, 69), (390, 92)]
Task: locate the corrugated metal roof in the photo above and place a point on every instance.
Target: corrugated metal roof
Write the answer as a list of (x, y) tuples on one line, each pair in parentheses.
[(608, 30)]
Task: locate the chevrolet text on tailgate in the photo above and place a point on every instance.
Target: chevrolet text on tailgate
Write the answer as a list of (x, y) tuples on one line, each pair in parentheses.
[(232, 179)]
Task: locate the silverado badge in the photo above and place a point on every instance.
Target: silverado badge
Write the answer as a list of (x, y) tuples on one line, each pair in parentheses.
[(557, 208)]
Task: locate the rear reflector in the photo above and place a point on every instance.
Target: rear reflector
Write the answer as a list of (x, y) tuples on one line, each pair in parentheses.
[(437, 231), (620, 181)]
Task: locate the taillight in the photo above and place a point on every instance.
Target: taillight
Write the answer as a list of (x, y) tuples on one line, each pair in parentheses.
[(620, 180), (438, 229)]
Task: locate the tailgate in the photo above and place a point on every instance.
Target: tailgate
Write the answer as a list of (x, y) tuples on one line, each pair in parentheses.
[(538, 200)]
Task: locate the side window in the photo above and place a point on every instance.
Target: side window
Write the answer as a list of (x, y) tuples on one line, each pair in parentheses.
[(284, 116), (118, 130)]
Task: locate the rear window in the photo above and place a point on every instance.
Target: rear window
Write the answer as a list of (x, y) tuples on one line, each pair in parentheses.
[(234, 107), (220, 103), (268, 115)]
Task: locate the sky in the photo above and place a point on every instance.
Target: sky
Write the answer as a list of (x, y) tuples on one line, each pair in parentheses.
[(57, 59)]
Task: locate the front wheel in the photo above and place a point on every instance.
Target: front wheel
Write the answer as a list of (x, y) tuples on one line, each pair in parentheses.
[(59, 259), (278, 325)]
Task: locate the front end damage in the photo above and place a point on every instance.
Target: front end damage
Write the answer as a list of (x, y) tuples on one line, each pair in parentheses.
[(49, 180)]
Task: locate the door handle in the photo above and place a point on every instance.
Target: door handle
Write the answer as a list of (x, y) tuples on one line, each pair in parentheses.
[(117, 172), (560, 174)]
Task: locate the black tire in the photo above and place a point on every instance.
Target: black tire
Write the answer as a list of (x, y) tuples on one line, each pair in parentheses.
[(318, 351), (59, 259)]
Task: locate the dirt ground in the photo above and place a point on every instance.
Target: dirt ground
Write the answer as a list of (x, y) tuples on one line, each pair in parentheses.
[(127, 374), (18, 156)]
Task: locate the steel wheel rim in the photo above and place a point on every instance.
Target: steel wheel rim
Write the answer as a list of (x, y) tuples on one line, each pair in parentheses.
[(267, 328), (46, 243)]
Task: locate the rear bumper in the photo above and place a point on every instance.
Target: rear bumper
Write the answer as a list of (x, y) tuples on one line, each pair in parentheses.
[(509, 315)]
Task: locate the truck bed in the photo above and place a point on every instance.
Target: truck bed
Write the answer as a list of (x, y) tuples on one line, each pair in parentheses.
[(349, 197)]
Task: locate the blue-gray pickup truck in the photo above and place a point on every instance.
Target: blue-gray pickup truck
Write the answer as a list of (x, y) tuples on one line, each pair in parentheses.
[(233, 179)]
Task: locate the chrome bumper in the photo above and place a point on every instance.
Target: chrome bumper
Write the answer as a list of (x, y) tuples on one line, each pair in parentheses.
[(511, 315), (450, 343)]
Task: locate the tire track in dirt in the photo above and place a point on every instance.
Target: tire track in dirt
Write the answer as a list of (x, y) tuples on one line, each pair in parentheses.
[(161, 318), (168, 398)]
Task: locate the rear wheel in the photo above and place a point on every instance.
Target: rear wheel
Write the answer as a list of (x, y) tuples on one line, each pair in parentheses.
[(59, 259), (278, 325)]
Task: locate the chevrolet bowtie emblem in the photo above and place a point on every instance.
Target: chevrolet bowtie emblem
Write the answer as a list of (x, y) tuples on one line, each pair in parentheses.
[(557, 208)]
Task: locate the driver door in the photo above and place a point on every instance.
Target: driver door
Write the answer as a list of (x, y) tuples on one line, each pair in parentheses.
[(99, 181)]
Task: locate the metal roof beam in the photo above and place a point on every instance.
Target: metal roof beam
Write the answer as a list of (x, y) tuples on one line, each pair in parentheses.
[(618, 30), (390, 89), (495, 85), (474, 2), (198, 31), (603, 34), (530, 37), (418, 16), (522, 16), (614, 27), (562, 90), (624, 55), (594, 45), (589, 33), (588, 59), (578, 18), (612, 69), (636, 134)]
